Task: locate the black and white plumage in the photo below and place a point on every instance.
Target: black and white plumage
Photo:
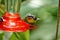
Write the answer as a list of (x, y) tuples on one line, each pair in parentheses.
[(31, 18)]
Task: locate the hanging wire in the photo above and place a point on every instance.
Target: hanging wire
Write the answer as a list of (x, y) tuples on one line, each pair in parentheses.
[(58, 17)]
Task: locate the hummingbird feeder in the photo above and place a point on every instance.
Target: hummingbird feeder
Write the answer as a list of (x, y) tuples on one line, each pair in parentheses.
[(12, 21)]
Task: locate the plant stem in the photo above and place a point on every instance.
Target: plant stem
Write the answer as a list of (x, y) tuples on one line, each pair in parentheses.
[(9, 5), (13, 5), (58, 17), (6, 5), (19, 5)]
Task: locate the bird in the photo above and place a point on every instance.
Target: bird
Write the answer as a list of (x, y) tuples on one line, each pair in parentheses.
[(31, 19)]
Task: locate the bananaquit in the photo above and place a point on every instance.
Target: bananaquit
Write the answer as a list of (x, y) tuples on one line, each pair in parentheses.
[(32, 19)]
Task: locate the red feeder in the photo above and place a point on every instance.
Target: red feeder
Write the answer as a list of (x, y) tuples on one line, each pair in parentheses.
[(11, 19), (13, 23)]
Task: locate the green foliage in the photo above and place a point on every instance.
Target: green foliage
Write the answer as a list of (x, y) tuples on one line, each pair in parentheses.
[(1, 36), (46, 26), (20, 36)]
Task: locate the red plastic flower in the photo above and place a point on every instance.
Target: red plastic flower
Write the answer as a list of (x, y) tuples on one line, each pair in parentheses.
[(13, 23)]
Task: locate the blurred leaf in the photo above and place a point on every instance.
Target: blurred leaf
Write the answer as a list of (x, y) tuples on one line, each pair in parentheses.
[(7, 35), (20, 36), (27, 35), (1, 36)]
